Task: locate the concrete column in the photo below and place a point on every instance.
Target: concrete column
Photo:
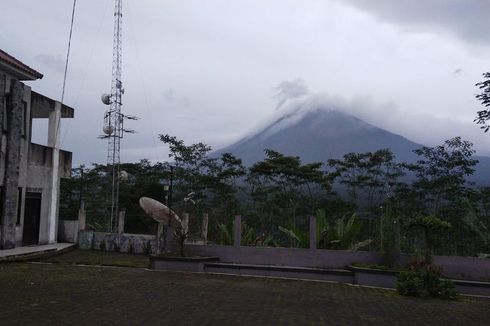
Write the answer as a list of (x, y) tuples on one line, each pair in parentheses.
[(3, 85), (14, 110), (82, 219), (237, 231), (160, 239), (120, 223), (54, 143), (313, 232), (185, 223), (204, 229)]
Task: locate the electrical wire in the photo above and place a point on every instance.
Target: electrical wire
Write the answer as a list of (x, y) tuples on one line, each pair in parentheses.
[(68, 51), (84, 76)]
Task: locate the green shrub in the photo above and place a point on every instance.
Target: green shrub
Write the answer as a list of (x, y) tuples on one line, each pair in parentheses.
[(410, 284), (447, 289), (147, 248), (424, 280), (102, 245)]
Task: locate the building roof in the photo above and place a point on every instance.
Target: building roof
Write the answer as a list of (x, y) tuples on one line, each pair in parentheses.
[(17, 68)]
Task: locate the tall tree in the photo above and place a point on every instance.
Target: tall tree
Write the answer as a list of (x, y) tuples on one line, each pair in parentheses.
[(484, 97), (281, 186), (441, 172), (368, 177)]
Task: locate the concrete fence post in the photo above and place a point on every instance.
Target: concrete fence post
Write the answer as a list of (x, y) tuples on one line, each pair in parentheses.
[(160, 240), (120, 223), (313, 239), (185, 223), (204, 229), (237, 231), (82, 219)]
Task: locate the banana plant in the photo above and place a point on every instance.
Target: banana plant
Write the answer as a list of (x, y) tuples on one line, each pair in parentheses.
[(341, 235), (297, 238), (248, 237), (225, 234), (475, 223)]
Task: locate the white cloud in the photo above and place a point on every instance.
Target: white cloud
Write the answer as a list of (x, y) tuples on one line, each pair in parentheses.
[(222, 60)]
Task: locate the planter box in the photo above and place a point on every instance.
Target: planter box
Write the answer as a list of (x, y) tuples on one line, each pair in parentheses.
[(331, 275), (180, 264), (472, 287), (374, 277)]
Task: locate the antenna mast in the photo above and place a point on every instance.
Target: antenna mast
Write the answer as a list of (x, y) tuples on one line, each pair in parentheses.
[(113, 118)]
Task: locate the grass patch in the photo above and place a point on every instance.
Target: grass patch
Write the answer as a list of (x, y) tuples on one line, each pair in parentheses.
[(103, 258)]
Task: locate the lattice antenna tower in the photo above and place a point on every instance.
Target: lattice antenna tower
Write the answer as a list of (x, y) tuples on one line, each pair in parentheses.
[(113, 118)]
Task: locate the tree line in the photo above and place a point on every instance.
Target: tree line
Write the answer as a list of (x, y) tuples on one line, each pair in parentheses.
[(396, 204)]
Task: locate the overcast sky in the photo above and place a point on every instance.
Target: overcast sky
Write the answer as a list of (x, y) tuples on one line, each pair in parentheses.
[(209, 71)]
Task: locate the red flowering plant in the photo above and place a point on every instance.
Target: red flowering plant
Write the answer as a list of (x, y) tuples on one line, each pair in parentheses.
[(422, 279)]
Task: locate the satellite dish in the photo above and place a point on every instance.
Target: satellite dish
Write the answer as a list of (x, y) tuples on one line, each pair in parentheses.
[(106, 99), (107, 129), (159, 212)]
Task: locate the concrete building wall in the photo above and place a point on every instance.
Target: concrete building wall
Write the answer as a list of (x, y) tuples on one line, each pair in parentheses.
[(31, 165), (14, 114)]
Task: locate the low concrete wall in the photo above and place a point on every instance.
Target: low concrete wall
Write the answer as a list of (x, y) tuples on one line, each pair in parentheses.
[(318, 258), (68, 231), (464, 268), (455, 267), (124, 241)]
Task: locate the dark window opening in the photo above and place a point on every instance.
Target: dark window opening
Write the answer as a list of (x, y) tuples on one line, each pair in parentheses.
[(19, 204), (5, 124), (24, 121)]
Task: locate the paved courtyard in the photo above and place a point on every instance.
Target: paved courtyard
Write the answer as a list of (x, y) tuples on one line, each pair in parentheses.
[(66, 294)]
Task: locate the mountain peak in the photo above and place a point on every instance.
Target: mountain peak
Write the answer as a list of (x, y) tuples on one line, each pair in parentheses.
[(318, 135)]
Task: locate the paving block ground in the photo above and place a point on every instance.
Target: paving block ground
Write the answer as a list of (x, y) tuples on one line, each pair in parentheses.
[(67, 294)]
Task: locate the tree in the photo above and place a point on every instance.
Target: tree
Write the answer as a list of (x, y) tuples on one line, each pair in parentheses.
[(281, 186), (213, 182), (441, 172), (369, 177), (484, 97)]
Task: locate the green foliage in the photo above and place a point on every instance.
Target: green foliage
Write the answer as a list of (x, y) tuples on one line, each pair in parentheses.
[(484, 97), (433, 229), (431, 222), (147, 247), (342, 234), (102, 246), (97, 227), (368, 176), (389, 236), (282, 191), (248, 236), (225, 234), (441, 173), (477, 223), (424, 280), (297, 238)]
